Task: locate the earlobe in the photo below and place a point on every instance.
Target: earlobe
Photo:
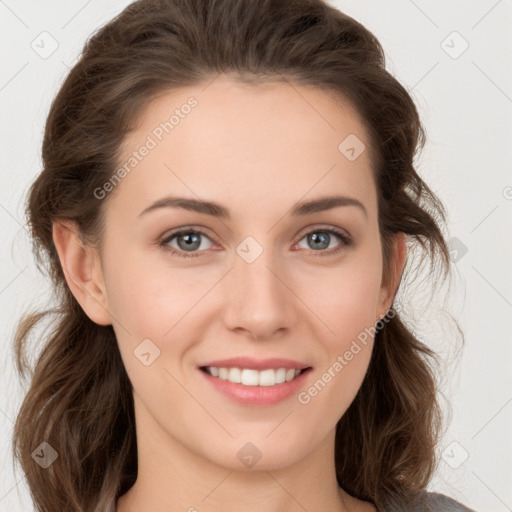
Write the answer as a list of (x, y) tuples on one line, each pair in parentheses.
[(390, 284), (82, 270)]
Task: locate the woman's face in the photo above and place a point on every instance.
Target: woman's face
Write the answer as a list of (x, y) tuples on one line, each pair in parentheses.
[(260, 283)]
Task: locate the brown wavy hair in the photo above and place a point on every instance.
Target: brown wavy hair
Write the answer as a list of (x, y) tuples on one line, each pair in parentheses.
[(80, 397)]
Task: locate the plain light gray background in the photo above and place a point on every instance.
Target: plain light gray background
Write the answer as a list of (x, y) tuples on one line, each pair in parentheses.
[(455, 58)]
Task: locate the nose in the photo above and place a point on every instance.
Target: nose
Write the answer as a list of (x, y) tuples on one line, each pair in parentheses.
[(259, 299)]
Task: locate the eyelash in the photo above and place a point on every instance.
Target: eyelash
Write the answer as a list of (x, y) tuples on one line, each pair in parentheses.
[(346, 241)]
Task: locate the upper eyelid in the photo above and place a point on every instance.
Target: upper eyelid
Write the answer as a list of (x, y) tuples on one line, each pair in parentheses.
[(186, 229)]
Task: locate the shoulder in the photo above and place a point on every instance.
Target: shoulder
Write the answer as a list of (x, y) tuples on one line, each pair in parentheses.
[(429, 502), (434, 500)]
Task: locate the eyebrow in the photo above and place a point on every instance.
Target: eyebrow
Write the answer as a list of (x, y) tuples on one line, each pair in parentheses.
[(217, 210)]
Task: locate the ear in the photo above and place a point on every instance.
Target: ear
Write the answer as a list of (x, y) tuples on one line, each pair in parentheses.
[(82, 269), (390, 283)]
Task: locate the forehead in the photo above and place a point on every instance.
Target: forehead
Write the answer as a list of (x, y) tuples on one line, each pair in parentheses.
[(259, 146)]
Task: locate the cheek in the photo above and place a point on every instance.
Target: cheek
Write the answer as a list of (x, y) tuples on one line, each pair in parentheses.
[(156, 302), (346, 302), (345, 298), (348, 308)]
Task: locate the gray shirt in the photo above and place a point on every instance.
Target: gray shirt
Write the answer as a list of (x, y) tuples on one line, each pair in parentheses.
[(429, 502)]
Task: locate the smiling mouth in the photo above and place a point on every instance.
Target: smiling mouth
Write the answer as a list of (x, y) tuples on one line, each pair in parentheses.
[(251, 377)]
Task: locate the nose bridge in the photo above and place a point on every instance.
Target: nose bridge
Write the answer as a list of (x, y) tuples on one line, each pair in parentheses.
[(255, 268), (258, 300)]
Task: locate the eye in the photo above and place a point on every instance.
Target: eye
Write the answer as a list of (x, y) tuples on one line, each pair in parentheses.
[(320, 239), (186, 242)]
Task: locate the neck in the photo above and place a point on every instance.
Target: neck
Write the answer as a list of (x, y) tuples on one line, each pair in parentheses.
[(174, 477)]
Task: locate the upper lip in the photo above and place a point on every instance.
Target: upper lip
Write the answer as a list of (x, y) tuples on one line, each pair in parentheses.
[(257, 364)]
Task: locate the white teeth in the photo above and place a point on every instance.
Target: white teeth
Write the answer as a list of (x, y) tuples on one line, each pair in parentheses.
[(280, 375), (290, 374), (235, 375), (267, 378), (249, 377)]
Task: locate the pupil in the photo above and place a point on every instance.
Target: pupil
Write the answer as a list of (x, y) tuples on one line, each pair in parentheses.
[(190, 239), (322, 239)]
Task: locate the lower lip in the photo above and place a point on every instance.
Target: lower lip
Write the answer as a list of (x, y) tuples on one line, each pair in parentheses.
[(257, 395)]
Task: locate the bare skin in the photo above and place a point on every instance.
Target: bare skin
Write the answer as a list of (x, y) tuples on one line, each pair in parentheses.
[(257, 151)]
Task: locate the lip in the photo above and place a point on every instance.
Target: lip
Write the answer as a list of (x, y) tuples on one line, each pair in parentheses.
[(257, 364), (257, 395)]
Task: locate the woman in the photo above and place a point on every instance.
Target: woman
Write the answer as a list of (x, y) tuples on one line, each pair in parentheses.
[(226, 206)]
